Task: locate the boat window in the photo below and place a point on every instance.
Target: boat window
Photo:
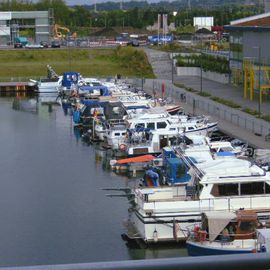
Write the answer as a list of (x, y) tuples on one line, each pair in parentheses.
[(247, 226), (116, 134), (225, 149), (161, 125), (227, 190), (252, 188), (267, 188), (190, 128), (124, 133), (151, 125), (139, 125)]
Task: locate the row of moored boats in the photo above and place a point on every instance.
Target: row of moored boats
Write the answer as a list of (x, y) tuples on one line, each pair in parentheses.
[(209, 193)]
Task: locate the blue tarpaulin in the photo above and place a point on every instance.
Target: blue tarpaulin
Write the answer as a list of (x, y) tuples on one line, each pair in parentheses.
[(70, 78)]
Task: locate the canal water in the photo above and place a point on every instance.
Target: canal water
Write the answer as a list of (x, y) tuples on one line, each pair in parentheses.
[(52, 206)]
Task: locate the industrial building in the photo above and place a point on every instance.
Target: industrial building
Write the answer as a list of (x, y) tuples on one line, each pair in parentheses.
[(249, 41), (12, 23), (250, 54)]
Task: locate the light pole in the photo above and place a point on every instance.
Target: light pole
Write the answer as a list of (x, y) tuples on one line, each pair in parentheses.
[(201, 55), (259, 78), (259, 104), (172, 67), (201, 73)]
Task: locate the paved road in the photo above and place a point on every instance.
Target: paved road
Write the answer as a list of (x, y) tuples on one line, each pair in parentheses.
[(225, 91)]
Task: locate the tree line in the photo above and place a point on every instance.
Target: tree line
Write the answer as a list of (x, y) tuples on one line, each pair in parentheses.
[(138, 16)]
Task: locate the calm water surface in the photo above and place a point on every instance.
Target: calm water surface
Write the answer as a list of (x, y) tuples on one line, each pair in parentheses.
[(52, 206)]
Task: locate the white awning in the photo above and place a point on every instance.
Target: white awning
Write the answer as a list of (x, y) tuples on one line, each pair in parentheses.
[(217, 221)]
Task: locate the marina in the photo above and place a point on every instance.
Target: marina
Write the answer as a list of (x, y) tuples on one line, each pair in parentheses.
[(146, 146), (57, 214), (81, 151)]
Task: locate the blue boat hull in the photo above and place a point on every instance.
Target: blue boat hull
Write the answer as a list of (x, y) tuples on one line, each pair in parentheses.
[(198, 250)]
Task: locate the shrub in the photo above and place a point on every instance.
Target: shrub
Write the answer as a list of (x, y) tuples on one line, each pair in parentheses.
[(207, 62), (266, 118), (204, 94), (250, 111)]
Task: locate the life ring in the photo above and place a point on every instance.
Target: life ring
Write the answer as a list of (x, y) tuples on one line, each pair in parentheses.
[(122, 147)]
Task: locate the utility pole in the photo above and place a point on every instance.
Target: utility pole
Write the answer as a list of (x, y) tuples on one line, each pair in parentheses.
[(95, 6), (259, 59), (201, 73), (121, 4), (172, 67), (259, 79)]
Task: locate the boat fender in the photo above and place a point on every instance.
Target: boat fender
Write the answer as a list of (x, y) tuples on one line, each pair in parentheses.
[(196, 232), (76, 116), (176, 229), (122, 147), (155, 236)]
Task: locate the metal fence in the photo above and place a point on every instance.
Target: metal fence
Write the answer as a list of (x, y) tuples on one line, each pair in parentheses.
[(197, 102)]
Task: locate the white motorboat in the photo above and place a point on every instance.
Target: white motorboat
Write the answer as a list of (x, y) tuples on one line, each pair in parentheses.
[(166, 125), (48, 85), (223, 232), (164, 213)]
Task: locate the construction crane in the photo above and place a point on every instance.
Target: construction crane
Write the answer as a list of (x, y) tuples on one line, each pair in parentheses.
[(59, 35)]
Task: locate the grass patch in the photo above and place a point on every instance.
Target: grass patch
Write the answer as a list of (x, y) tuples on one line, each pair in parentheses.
[(130, 62), (265, 117), (189, 89), (252, 112), (180, 85), (204, 94), (226, 102)]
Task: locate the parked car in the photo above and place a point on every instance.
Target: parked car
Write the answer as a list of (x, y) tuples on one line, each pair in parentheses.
[(55, 44), (33, 46), (18, 45), (134, 43), (44, 44)]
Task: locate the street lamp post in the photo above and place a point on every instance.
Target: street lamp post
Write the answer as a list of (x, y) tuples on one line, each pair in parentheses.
[(172, 67), (259, 104), (201, 74), (259, 78)]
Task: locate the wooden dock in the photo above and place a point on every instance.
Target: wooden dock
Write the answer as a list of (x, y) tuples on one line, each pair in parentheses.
[(17, 86)]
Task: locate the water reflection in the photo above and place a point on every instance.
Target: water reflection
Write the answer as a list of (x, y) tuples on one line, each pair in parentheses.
[(41, 104), (25, 105), (60, 213)]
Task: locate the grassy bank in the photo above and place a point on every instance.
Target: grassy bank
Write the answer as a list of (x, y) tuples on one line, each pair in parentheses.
[(126, 61)]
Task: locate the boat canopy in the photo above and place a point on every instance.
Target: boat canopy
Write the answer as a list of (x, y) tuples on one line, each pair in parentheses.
[(217, 221)]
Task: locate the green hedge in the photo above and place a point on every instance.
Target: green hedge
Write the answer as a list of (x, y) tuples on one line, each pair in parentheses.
[(208, 62)]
